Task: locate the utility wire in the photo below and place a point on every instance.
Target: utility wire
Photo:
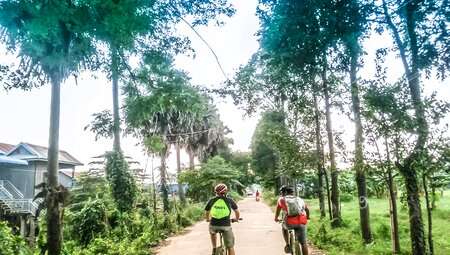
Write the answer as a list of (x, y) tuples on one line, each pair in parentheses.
[(207, 44), (212, 51)]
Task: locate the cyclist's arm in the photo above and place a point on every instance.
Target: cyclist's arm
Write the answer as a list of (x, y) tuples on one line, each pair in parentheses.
[(307, 211), (207, 216), (237, 215), (277, 213)]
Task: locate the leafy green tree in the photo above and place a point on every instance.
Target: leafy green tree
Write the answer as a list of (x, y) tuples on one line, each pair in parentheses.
[(265, 160), (386, 109), (422, 45), (163, 104), (201, 182), (123, 185), (300, 47), (241, 161), (351, 31)]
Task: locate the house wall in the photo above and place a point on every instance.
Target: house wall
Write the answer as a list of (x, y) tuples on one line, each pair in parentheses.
[(22, 177), (65, 180)]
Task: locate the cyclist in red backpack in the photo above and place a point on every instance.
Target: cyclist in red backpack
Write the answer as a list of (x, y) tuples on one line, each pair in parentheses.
[(299, 217)]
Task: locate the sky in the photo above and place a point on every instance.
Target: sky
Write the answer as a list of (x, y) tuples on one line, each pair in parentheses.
[(24, 115)]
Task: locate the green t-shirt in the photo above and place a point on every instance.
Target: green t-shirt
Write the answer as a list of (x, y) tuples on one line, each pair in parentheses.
[(220, 209)]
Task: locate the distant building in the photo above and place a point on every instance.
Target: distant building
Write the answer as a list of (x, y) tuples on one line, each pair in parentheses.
[(22, 167), (25, 165)]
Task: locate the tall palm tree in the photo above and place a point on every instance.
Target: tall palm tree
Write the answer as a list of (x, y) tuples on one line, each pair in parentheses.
[(52, 39)]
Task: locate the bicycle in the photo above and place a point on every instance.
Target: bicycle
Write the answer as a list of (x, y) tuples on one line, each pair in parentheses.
[(293, 241), (294, 244), (221, 249)]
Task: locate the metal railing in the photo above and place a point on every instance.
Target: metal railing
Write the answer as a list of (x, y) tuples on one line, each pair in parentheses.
[(13, 191), (15, 204)]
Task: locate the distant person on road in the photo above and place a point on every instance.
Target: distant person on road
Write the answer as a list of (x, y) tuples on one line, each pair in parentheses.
[(295, 215), (218, 214), (257, 195)]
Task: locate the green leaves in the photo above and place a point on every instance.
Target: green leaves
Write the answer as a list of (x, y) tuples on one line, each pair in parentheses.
[(11, 244), (201, 182), (122, 183)]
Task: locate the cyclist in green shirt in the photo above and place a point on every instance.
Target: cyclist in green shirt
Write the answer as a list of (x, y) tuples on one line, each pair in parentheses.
[(218, 214)]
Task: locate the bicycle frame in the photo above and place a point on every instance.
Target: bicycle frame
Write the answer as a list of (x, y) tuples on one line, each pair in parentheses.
[(221, 249), (293, 242)]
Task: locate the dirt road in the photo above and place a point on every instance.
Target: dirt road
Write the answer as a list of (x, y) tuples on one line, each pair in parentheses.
[(256, 234)]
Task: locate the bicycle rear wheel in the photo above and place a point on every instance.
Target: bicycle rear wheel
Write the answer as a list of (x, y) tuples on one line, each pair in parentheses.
[(220, 251)]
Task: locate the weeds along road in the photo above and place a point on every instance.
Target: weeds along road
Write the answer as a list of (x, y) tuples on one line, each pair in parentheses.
[(256, 234)]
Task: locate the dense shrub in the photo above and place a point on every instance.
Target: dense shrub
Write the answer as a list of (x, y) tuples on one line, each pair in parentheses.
[(11, 244), (90, 222), (122, 183)]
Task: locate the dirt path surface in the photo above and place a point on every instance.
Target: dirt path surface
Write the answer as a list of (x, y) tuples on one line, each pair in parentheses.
[(256, 234)]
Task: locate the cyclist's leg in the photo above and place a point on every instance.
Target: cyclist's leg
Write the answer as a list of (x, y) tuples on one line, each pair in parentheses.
[(213, 235), (285, 231), (302, 239), (228, 238)]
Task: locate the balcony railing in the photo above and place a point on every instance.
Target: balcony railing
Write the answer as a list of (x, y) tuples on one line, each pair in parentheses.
[(11, 199)]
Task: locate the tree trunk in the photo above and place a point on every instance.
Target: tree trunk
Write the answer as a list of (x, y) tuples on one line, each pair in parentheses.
[(429, 214), (180, 185), (394, 214), (415, 212), (163, 180), (433, 197), (191, 158), (336, 221), (408, 169), (154, 188), (364, 215), (319, 156), (392, 204), (54, 235), (115, 93)]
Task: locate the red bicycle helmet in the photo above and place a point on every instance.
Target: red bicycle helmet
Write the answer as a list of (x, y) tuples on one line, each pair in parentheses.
[(221, 189)]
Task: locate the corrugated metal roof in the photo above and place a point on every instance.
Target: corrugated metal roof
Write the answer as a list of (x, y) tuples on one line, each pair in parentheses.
[(4, 147), (5, 160), (39, 153)]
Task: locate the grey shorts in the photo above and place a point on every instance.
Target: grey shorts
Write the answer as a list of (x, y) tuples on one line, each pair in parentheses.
[(301, 231), (228, 236)]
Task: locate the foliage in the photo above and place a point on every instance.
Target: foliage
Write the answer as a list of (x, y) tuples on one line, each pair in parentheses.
[(90, 222), (347, 239), (11, 244), (132, 233), (241, 161), (121, 181), (89, 188), (102, 125), (264, 154), (201, 182)]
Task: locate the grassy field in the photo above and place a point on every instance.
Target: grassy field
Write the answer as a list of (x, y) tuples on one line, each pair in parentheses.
[(347, 240)]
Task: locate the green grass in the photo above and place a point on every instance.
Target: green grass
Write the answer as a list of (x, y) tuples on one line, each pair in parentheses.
[(347, 240)]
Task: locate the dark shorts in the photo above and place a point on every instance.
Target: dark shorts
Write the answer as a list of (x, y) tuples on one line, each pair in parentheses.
[(301, 231), (228, 236)]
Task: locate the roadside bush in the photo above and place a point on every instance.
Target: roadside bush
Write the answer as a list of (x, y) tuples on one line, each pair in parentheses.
[(194, 212), (11, 244), (90, 222), (346, 197)]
